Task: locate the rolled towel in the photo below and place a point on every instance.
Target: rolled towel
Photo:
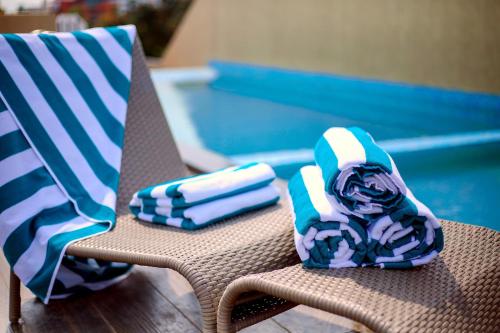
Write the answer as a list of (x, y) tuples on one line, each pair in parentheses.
[(204, 214), (359, 174), (408, 237), (190, 191), (324, 237)]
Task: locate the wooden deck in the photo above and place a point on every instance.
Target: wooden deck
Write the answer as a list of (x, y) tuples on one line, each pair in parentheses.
[(150, 300)]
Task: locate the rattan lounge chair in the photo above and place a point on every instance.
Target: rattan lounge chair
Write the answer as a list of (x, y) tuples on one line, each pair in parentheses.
[(457, 292), (210, 258)]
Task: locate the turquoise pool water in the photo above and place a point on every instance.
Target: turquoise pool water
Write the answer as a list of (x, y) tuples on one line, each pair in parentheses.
[(445, 143)]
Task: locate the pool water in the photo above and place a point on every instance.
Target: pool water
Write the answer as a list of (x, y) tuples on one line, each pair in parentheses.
[(446, 143)]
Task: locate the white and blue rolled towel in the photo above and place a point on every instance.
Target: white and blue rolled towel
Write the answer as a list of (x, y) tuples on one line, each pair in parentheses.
[(324, 237), (407, 237), (63, 104), (195, 202), (357, 184), (359, 174)]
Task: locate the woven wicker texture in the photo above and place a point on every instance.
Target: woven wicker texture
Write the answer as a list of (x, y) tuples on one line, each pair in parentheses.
[(149, 155), (209, 258), (457, 292)]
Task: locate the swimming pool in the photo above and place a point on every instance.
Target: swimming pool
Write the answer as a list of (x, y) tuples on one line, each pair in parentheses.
[(446, 143)]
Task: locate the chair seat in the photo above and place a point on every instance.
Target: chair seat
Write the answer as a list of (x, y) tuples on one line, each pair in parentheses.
[(209, 258), (457, 292)]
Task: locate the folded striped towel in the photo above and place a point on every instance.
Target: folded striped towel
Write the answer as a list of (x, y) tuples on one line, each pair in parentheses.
[(204, 214), (324, 237), (198, 189), (63, 104), (410, 236), (195, 202), (360, 175)]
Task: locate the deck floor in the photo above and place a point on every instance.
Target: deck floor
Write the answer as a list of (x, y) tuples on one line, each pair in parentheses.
[(150, 300)]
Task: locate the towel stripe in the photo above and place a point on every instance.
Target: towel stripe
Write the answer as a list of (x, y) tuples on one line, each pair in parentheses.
[(70, 171), (17, 165), (52, 259), (345, 146), (19, 241), (108, 94), (373, 152), (130, 30), (7, 125), (113, 128), (21, 188), (122, 38), (19, 144), (32, 260), (83, 132), (44, 198), (316, 197), (114, 51), (111, 72)]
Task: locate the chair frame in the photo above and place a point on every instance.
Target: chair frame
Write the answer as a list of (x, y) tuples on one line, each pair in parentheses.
[(457, 292)]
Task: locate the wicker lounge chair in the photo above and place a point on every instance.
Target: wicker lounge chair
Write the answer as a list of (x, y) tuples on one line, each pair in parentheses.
[(457, 292), (210, 258)]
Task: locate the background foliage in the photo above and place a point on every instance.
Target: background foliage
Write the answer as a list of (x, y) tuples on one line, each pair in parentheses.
[(155, 25)]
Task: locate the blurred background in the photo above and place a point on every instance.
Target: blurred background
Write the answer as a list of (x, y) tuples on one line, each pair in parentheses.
[(156, 20), (261, 80)]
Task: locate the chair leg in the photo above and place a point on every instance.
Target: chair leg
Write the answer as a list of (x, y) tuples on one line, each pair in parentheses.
[(14, 299)]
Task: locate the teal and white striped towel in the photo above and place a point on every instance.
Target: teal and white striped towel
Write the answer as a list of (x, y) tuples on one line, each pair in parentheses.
[(195, 202), (195, 190), (204, 214), (360, 175), (83, 275), (409, 236), (63, 103), (324, 237)]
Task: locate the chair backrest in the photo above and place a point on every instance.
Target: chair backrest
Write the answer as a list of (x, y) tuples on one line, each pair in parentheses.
[(150, 154)]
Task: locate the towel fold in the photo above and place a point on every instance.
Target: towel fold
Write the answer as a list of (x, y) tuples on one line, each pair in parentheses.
[(324, 237), (201, 215), (359, 174), (190, 191), (195, 202), (410, 236)]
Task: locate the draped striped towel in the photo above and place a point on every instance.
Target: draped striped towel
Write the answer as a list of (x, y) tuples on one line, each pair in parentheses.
[(63, 103), (324, 237), (195, 202), (359, 174)]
